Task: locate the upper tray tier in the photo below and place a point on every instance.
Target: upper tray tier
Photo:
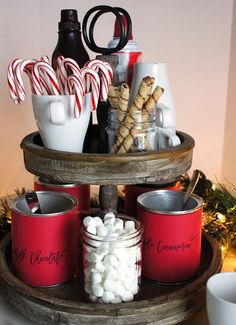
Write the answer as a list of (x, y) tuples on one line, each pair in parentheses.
[(102, 169)]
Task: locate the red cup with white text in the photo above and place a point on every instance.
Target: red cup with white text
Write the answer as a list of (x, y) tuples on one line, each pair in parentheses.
[(133, 191), (45, 243), (80, 191), (172, 235)]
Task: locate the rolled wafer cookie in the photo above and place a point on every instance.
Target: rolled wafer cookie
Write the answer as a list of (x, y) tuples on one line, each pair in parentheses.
[(142, 95), (123, 102), (122, 133), (153, 99), (112, 96), (128, 141)]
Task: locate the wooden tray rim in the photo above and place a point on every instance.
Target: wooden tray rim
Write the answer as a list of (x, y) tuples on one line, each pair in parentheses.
[(28, 145)]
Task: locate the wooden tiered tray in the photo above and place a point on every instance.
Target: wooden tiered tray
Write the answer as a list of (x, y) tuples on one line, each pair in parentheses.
[(66, 304)]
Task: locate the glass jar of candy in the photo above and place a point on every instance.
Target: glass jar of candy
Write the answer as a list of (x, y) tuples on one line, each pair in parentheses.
[(132, 132), (112, 258)]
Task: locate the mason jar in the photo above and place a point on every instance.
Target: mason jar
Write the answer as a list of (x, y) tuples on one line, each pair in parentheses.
[(112, 264), (132, 133)]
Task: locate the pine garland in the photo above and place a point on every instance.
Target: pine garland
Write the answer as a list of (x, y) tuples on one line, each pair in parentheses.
[(5, 212), (219, 210)]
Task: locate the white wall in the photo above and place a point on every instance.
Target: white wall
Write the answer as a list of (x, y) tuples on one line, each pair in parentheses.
[(229, 155), (192, 37)]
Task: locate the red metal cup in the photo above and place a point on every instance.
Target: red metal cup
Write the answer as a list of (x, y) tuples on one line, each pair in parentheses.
[(172, 238), (133, 191), (45, 245), (80, 191)]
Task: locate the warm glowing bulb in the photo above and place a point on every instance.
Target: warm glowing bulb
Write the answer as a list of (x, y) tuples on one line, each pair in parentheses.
[(220, 217)]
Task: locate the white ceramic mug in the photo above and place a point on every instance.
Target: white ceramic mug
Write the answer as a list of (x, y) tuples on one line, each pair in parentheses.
[(221, 299), (59, 129), (166, 120), (159, 72)]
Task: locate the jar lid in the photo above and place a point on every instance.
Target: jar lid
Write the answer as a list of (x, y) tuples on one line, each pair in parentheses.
[(69, 19)]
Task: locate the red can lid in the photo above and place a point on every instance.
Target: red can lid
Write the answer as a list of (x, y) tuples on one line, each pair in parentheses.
[(117, 32)]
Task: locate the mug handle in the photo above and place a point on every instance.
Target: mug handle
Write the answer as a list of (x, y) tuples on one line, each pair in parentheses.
[(165, 116), (57, 112), (172, 138)]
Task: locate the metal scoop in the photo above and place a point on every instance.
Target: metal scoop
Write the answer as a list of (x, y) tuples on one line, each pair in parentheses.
[(191, 187), (33, 202)]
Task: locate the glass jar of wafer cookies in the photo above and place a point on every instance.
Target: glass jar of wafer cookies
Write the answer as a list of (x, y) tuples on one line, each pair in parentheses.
[(132, 133), (132, 126)]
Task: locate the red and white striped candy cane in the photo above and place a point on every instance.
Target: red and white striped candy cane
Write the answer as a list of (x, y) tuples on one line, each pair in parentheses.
[(106, 75), (67, 67), (59, 59), (75, 87), (11, 80), (40, 69), (23, 66), (45, 58), (94, 84)]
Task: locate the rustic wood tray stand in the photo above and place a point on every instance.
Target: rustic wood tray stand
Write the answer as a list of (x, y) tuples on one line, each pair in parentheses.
[(66, 304)]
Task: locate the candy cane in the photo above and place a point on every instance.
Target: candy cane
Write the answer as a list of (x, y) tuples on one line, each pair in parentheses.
[(106, 75), (44, 79), (23, 66), (59, 59), (11, 80), (75, 87), (66, 68), (40, 68), (45, 58), (94, 84)]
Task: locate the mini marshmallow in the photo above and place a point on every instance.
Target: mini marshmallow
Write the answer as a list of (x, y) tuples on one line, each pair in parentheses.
[(98, 221), (109, 285), (109, 221), (129, 225), (92, 230), (89, 221), (93, 257), (92, 298), (111, 273), (119, 290), (102, 230), (109, 215), (97, 290), (118, 224), (132, 272), (96, 277), (116, 300), (110, 260), (127, 296), (107, 296), (99, 267)]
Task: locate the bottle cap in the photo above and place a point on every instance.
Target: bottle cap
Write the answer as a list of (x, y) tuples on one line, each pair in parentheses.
[(69, 19), (117, 32)]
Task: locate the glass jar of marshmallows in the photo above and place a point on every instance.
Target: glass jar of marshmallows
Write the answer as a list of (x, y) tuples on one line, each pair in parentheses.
[(111, 258)]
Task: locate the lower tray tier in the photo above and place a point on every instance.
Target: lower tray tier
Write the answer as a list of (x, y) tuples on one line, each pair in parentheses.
[(66, 304)]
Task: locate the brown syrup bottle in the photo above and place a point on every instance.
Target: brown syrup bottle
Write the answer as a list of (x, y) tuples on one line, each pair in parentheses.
[(70, 43)]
